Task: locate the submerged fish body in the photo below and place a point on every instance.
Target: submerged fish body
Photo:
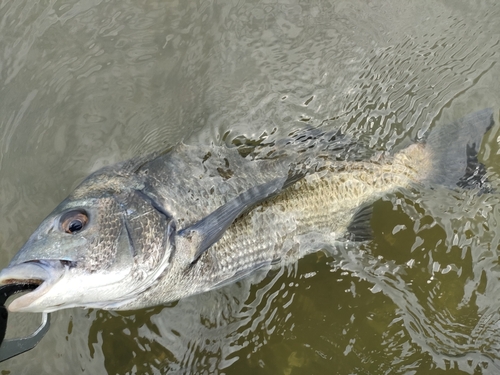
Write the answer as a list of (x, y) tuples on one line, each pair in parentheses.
[(153, 230)]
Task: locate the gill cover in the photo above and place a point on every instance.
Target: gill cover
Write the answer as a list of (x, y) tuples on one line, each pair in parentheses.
[(150, 230)]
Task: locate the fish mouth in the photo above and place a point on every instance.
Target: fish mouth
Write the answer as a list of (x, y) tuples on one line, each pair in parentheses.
[(44, 273)]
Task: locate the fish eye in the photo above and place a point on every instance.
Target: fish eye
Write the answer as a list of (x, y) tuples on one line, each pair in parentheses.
[(74, 221)]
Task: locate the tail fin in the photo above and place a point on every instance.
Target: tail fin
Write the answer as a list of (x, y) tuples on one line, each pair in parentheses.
[(454, 149)]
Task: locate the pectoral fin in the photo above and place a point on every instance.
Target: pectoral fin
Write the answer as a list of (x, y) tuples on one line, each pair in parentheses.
[(210, 229)]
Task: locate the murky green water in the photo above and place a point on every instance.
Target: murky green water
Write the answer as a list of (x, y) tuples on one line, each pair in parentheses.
[(88, 83)]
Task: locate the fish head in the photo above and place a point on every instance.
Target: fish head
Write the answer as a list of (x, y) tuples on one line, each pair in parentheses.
[(96, 249)]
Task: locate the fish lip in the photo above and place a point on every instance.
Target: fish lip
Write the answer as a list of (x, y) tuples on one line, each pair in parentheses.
[(45, 273)]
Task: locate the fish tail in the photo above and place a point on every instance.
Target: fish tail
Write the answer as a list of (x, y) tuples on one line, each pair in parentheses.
[(452, 150)]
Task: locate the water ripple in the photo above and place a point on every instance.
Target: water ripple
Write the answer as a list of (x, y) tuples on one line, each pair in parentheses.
[(88, 83)]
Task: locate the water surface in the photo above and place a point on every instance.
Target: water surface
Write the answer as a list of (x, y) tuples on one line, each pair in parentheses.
[(88, 83)]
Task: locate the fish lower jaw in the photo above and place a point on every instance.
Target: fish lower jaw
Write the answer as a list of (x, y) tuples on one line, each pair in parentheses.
[(25, 302), (37, 282), (44, 274)]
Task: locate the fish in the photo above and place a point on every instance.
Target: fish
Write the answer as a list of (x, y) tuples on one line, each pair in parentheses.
[(162, 227)]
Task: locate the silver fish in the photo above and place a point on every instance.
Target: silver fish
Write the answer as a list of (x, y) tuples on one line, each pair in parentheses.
[(156, 229)]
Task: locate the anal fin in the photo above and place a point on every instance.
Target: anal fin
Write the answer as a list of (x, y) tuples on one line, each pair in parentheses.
[(359, 228)]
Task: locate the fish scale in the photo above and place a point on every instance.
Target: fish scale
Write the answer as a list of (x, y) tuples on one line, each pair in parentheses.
[(320, 203)]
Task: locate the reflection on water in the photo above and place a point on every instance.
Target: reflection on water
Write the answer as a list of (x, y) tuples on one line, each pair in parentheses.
[(87, 83), (202, 333)]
